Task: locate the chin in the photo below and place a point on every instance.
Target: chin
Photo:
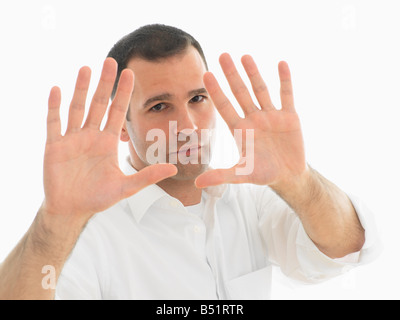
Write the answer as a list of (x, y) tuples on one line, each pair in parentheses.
[(189, 171)]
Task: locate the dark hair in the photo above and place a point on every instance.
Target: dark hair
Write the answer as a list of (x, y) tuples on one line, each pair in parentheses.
[(152, 43)]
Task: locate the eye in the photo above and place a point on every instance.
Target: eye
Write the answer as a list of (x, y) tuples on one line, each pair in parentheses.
[(158, 108), (197, 99)]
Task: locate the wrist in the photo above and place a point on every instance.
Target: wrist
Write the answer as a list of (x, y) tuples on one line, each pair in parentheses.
[(62, 215), (294, 185), (54, 234)]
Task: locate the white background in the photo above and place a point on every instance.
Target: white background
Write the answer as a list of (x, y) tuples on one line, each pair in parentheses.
[(344, 57)]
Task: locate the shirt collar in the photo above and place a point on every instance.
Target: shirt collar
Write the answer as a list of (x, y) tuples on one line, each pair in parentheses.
[(140, 202)]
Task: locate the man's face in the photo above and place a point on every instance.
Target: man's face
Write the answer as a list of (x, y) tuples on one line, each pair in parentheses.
[(170, 100)]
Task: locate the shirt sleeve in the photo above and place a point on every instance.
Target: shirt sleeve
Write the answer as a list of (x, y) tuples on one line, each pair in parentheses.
[(290, 248)]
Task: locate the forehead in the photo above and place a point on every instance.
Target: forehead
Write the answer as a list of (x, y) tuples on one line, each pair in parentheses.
[(183, 71)]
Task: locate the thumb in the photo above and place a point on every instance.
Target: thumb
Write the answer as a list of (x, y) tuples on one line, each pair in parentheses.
[(216, 177), (147, 176)]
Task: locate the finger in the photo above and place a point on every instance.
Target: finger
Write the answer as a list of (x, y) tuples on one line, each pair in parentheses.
[(120, 103), (259, 87), (222, 103), (287, 98), (216, 177), (148, 176), (53, 115), (102, 95), (236, 84), (77, 107)]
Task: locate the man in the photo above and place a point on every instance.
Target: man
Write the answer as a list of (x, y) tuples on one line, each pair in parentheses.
[(180, 230)]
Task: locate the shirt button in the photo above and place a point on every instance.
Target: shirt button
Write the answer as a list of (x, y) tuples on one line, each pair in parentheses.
[(197, 229)]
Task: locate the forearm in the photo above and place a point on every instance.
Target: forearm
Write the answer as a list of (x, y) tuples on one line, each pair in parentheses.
[(48, 242), (326, 212)]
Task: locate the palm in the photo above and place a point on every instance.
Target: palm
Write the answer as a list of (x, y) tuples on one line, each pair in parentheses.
[(277, 150), (73, 165), (81, 171), (277, 142)]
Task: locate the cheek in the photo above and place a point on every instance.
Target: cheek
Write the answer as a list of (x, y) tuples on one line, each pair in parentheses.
[(144, 136), (209, 119), (137, 134)]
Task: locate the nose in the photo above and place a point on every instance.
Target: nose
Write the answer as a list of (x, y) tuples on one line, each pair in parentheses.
[(186, 124)]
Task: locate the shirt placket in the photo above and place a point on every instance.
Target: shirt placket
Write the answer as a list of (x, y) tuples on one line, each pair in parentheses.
[(213, 245)]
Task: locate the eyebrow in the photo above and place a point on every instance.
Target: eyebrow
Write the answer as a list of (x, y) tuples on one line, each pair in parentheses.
[(160, 97), (168, 96)]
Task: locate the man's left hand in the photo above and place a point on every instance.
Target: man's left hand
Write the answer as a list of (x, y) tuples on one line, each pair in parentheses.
[(277, 149)]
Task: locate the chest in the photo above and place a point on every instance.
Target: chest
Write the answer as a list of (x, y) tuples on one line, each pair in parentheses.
[(175, 254)]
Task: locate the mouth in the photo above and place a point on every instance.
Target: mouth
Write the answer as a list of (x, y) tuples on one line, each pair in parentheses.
[(189, 150)]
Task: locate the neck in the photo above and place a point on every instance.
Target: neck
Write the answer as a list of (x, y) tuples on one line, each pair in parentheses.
[(183, 190)]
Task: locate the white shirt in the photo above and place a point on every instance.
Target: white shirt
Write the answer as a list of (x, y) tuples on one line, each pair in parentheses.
[(150, 246)]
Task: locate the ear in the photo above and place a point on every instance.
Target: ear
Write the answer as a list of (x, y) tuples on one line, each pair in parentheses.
[(124, 133)]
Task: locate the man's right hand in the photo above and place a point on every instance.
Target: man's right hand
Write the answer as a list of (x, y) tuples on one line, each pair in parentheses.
[(81, 171), (81, 177)]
